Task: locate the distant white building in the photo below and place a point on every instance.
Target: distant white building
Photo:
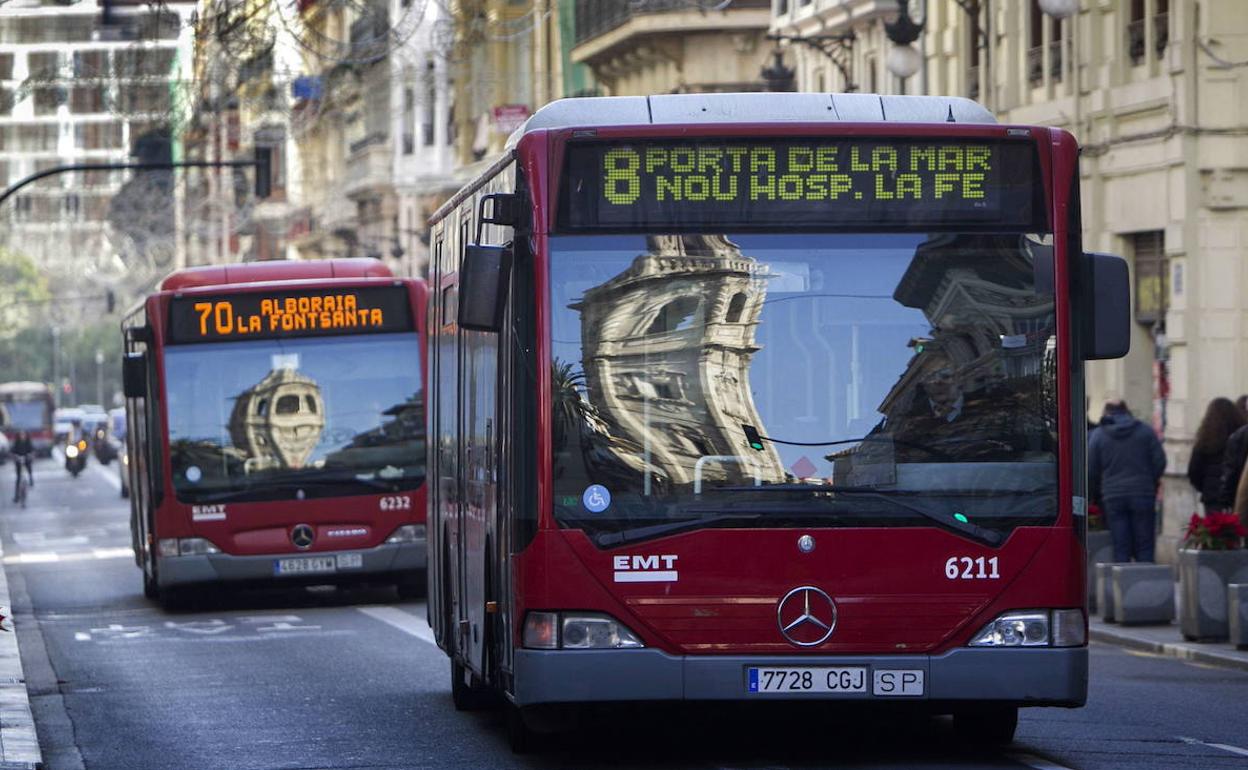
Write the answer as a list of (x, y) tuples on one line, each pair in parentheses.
[(75, 91)]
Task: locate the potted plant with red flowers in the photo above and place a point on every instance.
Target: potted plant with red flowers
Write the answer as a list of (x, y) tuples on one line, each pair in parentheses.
[(1212, 556)]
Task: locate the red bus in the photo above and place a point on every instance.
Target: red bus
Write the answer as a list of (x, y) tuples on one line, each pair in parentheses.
[(276, 427), (28, 406), (754, 397)]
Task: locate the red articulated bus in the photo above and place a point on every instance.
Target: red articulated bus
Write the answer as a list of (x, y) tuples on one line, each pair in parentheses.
[(28, 406), (276, 426), (753, 397)]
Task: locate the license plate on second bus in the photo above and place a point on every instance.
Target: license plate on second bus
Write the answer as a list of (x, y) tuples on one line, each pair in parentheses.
[(305, 566), (812, 679)]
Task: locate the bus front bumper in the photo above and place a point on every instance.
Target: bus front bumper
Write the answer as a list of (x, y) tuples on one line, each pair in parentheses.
[(383, 561), (1027, 677)]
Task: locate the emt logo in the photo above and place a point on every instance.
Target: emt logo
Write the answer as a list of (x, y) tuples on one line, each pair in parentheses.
[(645, 569)]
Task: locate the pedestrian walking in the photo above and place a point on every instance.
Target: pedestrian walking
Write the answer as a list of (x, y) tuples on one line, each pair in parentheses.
[(1206, 468), (1125, 463), (1233, 464)]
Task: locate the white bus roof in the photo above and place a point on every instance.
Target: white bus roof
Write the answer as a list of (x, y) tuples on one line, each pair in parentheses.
[(667, 109)]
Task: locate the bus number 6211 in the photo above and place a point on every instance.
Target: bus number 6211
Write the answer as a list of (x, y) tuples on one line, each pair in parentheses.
[(967, 568)]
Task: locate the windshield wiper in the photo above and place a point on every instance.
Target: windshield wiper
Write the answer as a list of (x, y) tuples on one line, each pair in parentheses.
[(298, 481), (896, 497), (609, 539)]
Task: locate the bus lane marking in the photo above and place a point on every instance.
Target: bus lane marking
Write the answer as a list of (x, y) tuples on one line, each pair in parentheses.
[(404, 621), (1222, 746), (248, 628)]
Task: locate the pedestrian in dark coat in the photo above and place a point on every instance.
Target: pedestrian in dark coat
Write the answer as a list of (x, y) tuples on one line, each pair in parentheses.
[(1233, 463), (1206, 468), (1125, 463)]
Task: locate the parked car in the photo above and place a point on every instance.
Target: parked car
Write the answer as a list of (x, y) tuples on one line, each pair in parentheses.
[(4, 449), (63, 420)]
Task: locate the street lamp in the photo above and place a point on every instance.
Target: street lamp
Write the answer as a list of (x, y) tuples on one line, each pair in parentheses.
[(1059, 9), (903, 60), (99, 376)]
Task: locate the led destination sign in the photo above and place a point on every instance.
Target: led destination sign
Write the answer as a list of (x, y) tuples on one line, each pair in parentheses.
[(302, 313), (837, 182)]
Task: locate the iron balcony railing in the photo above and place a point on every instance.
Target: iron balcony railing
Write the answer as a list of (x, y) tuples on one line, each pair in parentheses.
[(597, 17)]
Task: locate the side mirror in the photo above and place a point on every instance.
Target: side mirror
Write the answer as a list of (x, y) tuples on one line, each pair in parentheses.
[(1107, 315), (483, 287), (134, 375)]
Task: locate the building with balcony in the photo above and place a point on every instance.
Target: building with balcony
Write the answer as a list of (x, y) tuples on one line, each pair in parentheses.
[(1154, 91), (672, 46), (372, 125), (75, 91)]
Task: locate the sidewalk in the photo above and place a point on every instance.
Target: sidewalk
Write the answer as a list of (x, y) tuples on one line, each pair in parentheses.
[(19, 745), (1167, 640)]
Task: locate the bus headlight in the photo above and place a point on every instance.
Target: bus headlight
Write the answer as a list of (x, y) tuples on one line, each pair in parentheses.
[(185, 546), (596, 632), (408, 533), (195, 546), (577, 631), (1034, 628)]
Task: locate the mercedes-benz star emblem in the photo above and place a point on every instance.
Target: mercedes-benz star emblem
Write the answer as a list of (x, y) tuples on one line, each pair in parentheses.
[(805, 544), (806, 616), (302, 536)]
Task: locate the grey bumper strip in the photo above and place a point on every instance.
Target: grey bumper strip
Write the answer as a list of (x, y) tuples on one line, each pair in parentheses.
[(1049, 676)]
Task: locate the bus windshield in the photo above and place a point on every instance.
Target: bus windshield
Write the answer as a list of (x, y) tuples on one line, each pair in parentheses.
[(770, 380), (295, 418)]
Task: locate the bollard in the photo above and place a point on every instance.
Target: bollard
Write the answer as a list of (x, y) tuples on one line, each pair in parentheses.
[(1237, 613), (1104, 591), (1143, 593)]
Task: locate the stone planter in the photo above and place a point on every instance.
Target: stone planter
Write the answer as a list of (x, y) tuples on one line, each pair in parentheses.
[(1100, 550), (1203, 578)]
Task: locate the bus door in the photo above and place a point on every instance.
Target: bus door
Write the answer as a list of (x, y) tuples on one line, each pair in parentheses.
[(478, 402)]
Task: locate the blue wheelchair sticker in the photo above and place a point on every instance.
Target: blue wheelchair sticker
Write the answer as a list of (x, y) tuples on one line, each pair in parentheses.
[(596, 498)]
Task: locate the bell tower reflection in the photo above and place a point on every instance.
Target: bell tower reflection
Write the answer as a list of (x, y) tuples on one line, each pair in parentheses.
[(278, 421), (667, 346)]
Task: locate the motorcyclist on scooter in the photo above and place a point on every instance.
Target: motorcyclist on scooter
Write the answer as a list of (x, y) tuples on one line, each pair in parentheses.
[(76, 448), (23, 452)]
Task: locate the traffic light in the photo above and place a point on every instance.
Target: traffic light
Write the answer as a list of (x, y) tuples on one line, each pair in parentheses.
[(264, 172), (751, 435)]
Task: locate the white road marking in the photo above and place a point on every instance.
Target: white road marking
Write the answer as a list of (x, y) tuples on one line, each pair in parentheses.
[(42, 557), (109, 476), (33, 558), (1222, 746), (82, 636), (404, 621)]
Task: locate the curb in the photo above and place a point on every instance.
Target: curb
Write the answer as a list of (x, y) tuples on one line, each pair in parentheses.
[(1179, 650), (19, 743)]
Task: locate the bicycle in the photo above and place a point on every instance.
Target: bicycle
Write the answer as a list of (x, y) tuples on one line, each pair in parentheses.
[(19, 494)]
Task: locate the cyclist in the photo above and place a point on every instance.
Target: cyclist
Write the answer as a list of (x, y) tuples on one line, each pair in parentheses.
[(23, 452)]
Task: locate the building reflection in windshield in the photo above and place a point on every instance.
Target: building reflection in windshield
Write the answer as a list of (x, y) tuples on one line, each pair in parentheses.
[(666, 352), (278, 422), (949, 342)]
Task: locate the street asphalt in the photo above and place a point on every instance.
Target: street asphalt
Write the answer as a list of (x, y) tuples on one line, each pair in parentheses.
[(323, 678)]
